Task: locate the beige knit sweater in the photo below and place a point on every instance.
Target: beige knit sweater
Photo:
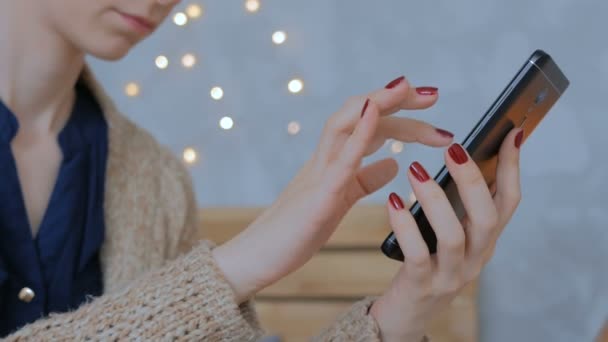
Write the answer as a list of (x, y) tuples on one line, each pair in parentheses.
[(154, 291)]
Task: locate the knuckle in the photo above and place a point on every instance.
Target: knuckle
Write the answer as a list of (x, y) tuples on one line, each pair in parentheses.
[(493, 217), (352, 102), (341, 120), (419, 260), (487, 221), (476, 179), (473, 272), (453, 241), (422, 281), (435, 195), (333, 124), (513, 196), (451, 285)]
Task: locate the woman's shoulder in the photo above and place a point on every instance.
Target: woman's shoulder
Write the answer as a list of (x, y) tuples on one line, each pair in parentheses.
[(145, 183), (132, 144), (127, 137)]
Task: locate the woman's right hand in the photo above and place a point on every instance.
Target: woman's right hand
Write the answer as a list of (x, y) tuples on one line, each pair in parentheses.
[(305, 215)]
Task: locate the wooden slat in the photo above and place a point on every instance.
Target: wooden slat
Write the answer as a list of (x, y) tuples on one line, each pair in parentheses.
[(303, 303), (363, 227), (297, 321), (338, 274)]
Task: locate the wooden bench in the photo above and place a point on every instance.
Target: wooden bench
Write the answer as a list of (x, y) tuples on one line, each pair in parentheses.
[(347, 269)]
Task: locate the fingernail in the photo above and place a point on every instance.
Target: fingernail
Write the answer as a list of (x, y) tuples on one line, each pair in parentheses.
[(364, 107), (395, 82), (396, 201), (458, 154), (518, 138), (419, 172), (426, 90), (444, 133)]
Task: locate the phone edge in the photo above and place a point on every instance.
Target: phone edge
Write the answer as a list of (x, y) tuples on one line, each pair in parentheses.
[(540, 60)]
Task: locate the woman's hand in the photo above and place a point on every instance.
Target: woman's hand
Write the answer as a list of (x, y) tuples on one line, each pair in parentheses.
[(305, 215), (426, 284)]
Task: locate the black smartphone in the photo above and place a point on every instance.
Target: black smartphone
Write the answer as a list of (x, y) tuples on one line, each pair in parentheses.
[(523, 103)]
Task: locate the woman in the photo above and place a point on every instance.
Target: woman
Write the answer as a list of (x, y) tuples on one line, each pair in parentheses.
[(98, 222)]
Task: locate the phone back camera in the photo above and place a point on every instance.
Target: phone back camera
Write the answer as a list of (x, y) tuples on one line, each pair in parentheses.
[(541, 96)]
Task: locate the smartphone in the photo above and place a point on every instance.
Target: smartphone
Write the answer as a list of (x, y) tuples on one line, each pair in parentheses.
[(524, 102)]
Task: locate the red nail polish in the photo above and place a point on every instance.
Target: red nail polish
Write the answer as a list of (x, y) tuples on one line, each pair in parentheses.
[(396, 201), (364, 107), (458, 154), (419, 172), (395, 82), (518, 138), (444, 133), (427, 90)]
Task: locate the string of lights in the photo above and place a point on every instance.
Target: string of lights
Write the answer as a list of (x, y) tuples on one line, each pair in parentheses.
[(189, 15)]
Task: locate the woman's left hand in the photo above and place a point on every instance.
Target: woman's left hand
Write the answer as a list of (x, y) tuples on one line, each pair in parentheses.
[(305, 215), (426, 284)]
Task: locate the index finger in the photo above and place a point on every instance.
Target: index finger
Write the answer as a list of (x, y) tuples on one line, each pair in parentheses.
[(399, 94)]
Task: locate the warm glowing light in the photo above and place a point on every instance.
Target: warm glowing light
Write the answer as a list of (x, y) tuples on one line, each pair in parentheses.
[(162, 62), (279, 37), (188, 60), (194, 11), (397, 147), (226, 123), (295, 86), (190, 155), (252, 5), (217, 93), (293, 128), (180, 19), (132, 89)]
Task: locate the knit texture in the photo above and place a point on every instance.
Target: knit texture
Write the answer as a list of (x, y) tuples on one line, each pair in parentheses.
[(355, 325), (153, 289)]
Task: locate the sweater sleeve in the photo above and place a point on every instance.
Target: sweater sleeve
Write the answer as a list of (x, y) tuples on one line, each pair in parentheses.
[(186, 300), (354, 325), (191, 232)]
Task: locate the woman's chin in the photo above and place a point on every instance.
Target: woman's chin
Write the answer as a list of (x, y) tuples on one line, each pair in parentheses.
[(111, 52)]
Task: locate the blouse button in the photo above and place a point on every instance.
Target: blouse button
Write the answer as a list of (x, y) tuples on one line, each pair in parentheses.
[(26, 294)]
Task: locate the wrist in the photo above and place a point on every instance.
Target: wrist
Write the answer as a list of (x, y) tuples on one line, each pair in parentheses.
[(396, 325), (235, 272)]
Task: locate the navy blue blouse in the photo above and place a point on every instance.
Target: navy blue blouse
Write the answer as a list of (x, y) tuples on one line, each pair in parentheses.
[(60, 267)]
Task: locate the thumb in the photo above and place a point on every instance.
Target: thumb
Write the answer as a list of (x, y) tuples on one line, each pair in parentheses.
[(373, 177)]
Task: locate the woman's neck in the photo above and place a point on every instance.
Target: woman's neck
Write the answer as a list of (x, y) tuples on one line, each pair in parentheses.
[(38, 68)]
